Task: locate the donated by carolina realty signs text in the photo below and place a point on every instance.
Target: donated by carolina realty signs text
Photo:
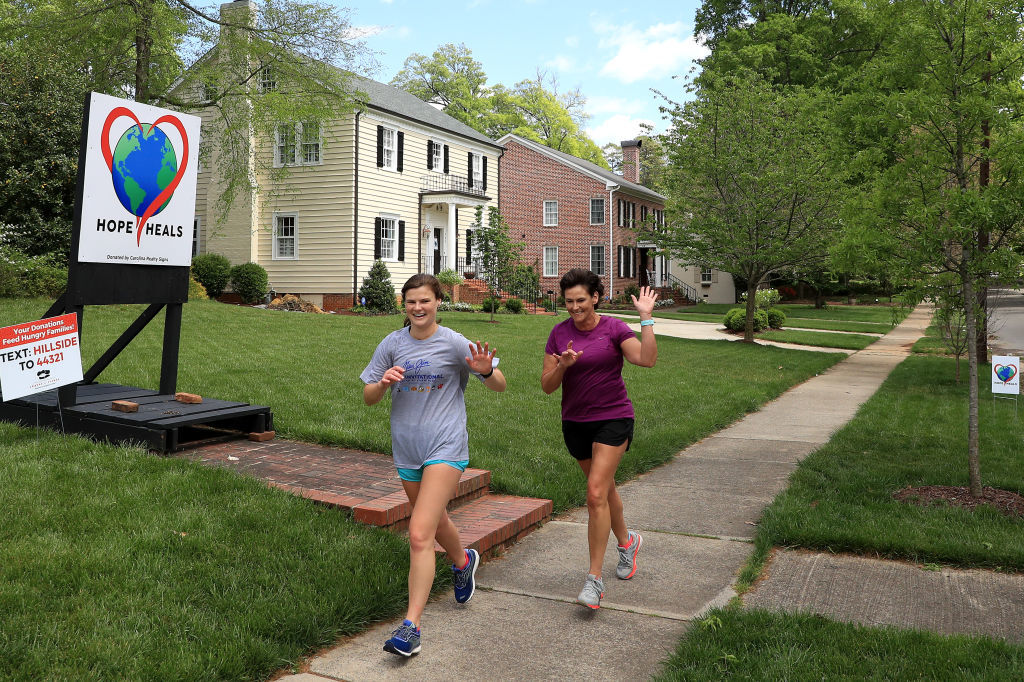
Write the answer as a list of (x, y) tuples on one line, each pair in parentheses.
[(139, 190), (36, 356)]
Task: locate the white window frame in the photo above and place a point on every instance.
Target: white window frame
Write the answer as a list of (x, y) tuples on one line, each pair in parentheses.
[(390, 152), (593, 212), (438, 157), (553, 271), (281, 133), (706, 275), (478, 171), (279, 240), (268, 83), (196, 231), (310, 147), (389, 243), (599, 271), (548, 221)]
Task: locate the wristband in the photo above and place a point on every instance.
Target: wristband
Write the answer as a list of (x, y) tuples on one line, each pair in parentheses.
[(646, 323), (488, 375)]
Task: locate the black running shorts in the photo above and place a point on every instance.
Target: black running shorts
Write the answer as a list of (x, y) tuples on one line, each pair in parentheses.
[(581, 436)]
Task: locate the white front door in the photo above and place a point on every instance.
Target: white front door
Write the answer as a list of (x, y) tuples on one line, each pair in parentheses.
[(434, 241)]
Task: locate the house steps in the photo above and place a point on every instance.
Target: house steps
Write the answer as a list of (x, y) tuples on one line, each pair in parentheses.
[(366, 485)]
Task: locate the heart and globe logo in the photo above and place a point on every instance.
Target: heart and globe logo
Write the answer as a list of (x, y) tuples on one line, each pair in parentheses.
[(1005, 373), (143, 165)]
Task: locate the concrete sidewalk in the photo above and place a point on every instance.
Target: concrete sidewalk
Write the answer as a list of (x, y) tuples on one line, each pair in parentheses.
[(697, 514)]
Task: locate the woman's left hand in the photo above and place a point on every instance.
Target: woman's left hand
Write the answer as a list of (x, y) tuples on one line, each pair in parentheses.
[(645, 303), (480, 358)]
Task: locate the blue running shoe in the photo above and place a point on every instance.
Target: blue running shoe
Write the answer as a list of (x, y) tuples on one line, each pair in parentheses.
[(465, 584), (404, 641)]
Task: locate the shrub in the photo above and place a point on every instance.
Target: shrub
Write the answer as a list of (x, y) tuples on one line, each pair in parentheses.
[(664, 302), (377, 290), (37, 237), (631, 290), (22, 275), (514, 306), (491, 305), (196, 292), (249, 280), (787, 292), (449, 278), (212, 270), (458, 306), (736, 320), (547, 304), (776, 318)]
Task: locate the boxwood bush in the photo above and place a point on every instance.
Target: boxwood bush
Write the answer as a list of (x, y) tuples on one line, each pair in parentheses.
[(249, 280), (212, 270), (514, 306), (776, 318), (736, 320)]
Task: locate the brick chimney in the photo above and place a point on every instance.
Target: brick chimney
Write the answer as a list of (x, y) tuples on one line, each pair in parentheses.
[(631, 160)]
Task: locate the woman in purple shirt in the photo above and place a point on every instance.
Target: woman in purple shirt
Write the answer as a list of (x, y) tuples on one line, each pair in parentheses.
[(584, 356)]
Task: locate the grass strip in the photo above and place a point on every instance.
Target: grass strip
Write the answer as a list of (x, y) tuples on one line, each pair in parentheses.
[(912, 432), (760, 645), (306, 368), (116, 564), (822, 339)]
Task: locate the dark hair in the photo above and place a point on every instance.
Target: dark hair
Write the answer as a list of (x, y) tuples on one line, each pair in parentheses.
[(585, 278), (421, 280)]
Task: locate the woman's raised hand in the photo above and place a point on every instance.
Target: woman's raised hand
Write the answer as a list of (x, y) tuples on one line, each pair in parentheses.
[(568, 357), (481, 357), (645, 303), (393, 375)]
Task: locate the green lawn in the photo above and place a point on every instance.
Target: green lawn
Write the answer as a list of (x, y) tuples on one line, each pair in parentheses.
[(822, 339), (912, 432), (840, 319), (306, 368), (805, 311), (115, 564), (932, 343), (758, 645)]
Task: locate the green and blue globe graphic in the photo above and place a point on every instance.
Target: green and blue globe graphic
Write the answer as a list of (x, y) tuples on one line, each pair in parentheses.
[(144, 164)]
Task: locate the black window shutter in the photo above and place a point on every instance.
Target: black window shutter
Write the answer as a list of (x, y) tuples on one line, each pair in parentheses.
[(456, 235), (401, 240), (618, 207), (469, 247), (380, 146), (632, 262), (376, 238), (401, 149), (618, 253), (469, 171), (485, 175), (446, 159), (430, 155)]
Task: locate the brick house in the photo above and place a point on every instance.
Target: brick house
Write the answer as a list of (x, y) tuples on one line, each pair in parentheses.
[(572, 213)]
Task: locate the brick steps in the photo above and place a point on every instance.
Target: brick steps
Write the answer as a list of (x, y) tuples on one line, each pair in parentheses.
[(366, 485)]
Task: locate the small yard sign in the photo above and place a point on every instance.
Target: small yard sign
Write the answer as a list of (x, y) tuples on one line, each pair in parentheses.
[(1006, 374), (36, 356)]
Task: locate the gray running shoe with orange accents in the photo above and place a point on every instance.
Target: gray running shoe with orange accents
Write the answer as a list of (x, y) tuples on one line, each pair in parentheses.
[(592, 592), (627, 556)]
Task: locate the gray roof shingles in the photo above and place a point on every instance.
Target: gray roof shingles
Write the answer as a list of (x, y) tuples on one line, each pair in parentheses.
[(397, 101)]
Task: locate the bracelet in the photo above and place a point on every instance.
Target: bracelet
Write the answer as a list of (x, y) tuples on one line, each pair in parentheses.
[(487, 376), (646, 323)]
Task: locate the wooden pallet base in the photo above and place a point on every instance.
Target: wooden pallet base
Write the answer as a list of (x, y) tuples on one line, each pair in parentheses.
[(161, 423)]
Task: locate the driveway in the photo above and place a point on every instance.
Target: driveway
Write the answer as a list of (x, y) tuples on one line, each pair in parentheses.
[(1006, 325)]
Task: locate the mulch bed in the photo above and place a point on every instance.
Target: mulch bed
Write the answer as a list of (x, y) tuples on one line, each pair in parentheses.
[(1006, 502)]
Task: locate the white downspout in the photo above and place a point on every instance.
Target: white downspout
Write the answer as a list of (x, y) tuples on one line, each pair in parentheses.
[(611, 243)]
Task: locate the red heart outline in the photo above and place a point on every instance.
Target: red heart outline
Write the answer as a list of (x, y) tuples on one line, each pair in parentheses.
[(996, 370), (118, 112)]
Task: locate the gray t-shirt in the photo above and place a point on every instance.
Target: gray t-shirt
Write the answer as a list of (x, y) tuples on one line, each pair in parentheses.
[(428, 407)]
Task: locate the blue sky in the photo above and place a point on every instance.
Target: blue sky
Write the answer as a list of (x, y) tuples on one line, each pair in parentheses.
[(615, 52)]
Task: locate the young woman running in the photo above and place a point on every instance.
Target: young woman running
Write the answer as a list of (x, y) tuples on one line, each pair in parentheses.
[(426, 368), (584, 356)]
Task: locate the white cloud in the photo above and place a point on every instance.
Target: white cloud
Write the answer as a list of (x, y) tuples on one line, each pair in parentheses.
[(386, 2), (603, 104), (561, 63), (360, 32), (616, 128), (655, 52), (572, 41)]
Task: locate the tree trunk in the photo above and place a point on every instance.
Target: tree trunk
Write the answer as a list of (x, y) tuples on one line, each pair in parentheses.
[(819, 298), (973, 465), (143, 49), (748, 330)]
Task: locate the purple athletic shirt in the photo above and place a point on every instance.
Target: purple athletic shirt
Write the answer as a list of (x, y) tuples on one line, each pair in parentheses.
[(593, 389)]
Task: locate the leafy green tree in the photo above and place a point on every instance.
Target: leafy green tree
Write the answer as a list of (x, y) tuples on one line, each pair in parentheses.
[(942, 104), (751, 185), (497, 252), (41, 100), (533, 108), (285, 60)]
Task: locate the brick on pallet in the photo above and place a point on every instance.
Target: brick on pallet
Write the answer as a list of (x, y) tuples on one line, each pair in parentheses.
[(189, 398), (124, 406)]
